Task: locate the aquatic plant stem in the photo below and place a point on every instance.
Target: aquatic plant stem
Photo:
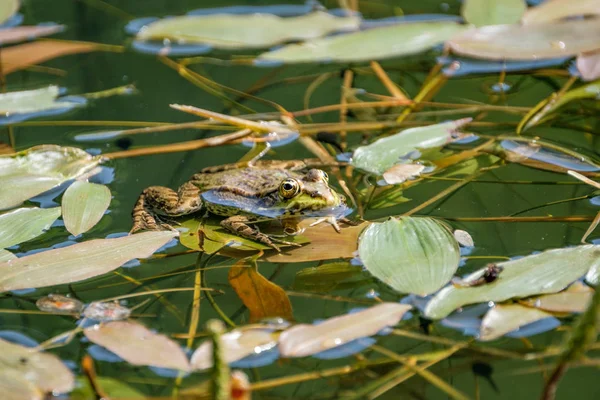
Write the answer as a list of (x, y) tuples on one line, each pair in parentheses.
[(387, 82), (346, 87)]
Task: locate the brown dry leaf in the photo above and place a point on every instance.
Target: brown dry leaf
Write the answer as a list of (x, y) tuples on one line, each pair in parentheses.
[(574, 299), (138, 345), (14, 386), (262, 297), (588, 65), (5, 148), (325, 244), (19, 57), (22, 33), (402, 172), (505, 318)]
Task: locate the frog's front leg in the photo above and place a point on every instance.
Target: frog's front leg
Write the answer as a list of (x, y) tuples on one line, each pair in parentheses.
[(238, 225), (159, 200)]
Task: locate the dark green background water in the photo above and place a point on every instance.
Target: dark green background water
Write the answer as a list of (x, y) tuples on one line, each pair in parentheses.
[(160, 86)]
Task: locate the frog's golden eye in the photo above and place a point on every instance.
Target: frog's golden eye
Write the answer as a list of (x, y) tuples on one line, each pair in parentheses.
[(325, 176), (289, 188)]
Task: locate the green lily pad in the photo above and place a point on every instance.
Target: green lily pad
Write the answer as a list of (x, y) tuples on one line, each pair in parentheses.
[(381, 155), (371, 44), (547, 272), (493, 12), (230, 31), (83, 205), (38, 169), (24, 224), (412, 255)]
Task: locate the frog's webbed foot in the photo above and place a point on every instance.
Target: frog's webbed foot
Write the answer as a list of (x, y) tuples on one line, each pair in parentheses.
[(238, 225), (158, 200), (333, 221)]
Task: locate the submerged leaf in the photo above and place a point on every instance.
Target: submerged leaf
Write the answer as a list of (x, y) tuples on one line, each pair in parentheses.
[(371, 44), (412, 255), (546, 272), (45, 371), (21, 33), (503, 319), (138, 345), (236, 345), (79, 261), (328, 277), (262, 297), (230, 31), (493, 12), (379, 156), (573, 300), (38, 169), (305, 340), (553, 10), (83, 205), (8, 8), (24, 224), (516, 42)]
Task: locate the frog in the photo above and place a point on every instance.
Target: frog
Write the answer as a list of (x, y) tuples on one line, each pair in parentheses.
[(246, 194)]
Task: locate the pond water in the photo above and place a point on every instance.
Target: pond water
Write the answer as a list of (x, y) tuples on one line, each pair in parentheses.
[(159, 86)]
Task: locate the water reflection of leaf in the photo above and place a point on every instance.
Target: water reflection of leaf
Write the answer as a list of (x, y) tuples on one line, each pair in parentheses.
[(328, 277), (83, 205), (263, 298)]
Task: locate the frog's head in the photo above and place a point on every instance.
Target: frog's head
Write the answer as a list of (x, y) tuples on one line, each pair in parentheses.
[(309, 194)]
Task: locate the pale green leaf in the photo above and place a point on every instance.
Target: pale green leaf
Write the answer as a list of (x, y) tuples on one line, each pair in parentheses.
[(44, 370), (8, 8), (412, 255), (575, 299), (503, 319), (552, 10), (232, 31), (305, 340), (79, 261), (38, 169), (138, 345), (379, 156), (372, 44), (547, 272), (83, 205), (24, 224), (493, 12), (14, 386), (531, 42), (6, 255), (31, 101)]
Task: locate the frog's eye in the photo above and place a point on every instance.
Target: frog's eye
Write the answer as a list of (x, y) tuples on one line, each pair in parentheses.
[(289, 188), (325, 176)]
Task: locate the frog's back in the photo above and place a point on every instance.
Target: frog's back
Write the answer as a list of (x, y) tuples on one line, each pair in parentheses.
[(255, 182)]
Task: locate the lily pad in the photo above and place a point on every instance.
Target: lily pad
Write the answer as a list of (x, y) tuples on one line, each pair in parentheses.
[(412, 255), (38, 169), (547, 272), (24, 224), (493, 12), (371, 44), (503, 319), (516, 42), (305, 340), (8, 8), (79, 261), (553, 10), (138, 345), (83, 206), (379, 156), (230, 31)]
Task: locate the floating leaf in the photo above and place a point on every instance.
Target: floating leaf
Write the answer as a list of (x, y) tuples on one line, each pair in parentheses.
[(371, 44), (44, 370), (14, 386), (6, 255), (553, 10), (402, 172), (38, 169), (113, 388), (574, 299), (26, 104), (79, 261), (588, 65), (21, 33), (24, 224), (83, 205), (546, 272), (493, 12), (138, 345), (463, 238), (412, 255), (262, 297), (16, 58), (379, 156), (304, 340), (328, 277), (503, 319), (236, 344), (8, 8), (232, 31), (515, 42)]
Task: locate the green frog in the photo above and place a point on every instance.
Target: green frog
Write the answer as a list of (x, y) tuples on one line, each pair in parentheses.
[(246, 194)]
